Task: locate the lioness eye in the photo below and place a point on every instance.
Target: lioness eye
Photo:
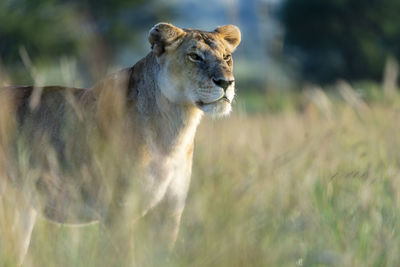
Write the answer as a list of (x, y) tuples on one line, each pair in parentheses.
[(195, 57), (227, 57)]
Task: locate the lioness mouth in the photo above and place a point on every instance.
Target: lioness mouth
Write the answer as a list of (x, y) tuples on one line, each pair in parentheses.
[(224, 98)]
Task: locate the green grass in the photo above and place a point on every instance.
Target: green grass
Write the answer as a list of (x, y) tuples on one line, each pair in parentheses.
[(293, 188), (289, 188)]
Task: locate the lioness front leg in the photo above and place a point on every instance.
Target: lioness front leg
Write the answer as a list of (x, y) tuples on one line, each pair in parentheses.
[(174, 221), (167, 225), (17, 219), (156, 234), (117, 236)]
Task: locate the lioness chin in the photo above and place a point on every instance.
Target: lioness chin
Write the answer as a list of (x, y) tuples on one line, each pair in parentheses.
[(155, 106)]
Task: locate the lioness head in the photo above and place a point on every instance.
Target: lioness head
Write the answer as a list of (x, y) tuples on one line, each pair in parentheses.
[(196, 66)]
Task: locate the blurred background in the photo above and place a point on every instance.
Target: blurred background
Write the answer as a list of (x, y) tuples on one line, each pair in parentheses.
[(306, 170), (286, 45)]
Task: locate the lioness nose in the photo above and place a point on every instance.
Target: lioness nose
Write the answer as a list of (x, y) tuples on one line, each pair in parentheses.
[(224, 84)]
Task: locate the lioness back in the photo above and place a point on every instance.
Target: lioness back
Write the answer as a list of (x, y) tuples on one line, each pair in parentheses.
[(61, 130), (120, 149)]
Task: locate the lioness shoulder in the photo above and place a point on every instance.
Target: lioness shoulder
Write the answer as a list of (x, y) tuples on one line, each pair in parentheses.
[(151, 111)]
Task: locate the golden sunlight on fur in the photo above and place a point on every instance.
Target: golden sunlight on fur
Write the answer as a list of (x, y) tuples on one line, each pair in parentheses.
[(70, 156)]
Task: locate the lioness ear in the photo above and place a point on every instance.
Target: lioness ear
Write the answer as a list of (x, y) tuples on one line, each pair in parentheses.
[(231, 34), (163, 35)]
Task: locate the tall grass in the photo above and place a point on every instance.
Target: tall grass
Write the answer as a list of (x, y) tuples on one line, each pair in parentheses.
[(276, 190), (293, 188)]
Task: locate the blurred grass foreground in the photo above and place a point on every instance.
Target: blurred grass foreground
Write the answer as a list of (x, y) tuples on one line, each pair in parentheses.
[(298, 175), (311, 186)]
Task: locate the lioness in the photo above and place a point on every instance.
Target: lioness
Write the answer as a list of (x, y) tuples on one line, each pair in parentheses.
[(159, 102)]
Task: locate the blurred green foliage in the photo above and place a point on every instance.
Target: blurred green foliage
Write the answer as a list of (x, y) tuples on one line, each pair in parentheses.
[(325, 40), (91, 30), (49, 28), (348, 39)]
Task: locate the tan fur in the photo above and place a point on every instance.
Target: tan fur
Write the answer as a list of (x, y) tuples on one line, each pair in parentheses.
[(150, 111)]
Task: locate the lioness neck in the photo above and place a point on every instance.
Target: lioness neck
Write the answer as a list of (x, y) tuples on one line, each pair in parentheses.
[(172, 126)]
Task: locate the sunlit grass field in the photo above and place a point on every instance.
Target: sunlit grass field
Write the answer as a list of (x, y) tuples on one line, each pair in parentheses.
[(313, 185), (295, 189)]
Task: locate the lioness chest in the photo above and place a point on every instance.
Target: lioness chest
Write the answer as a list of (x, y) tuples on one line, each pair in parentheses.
[(162, 179), (72, 189)]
